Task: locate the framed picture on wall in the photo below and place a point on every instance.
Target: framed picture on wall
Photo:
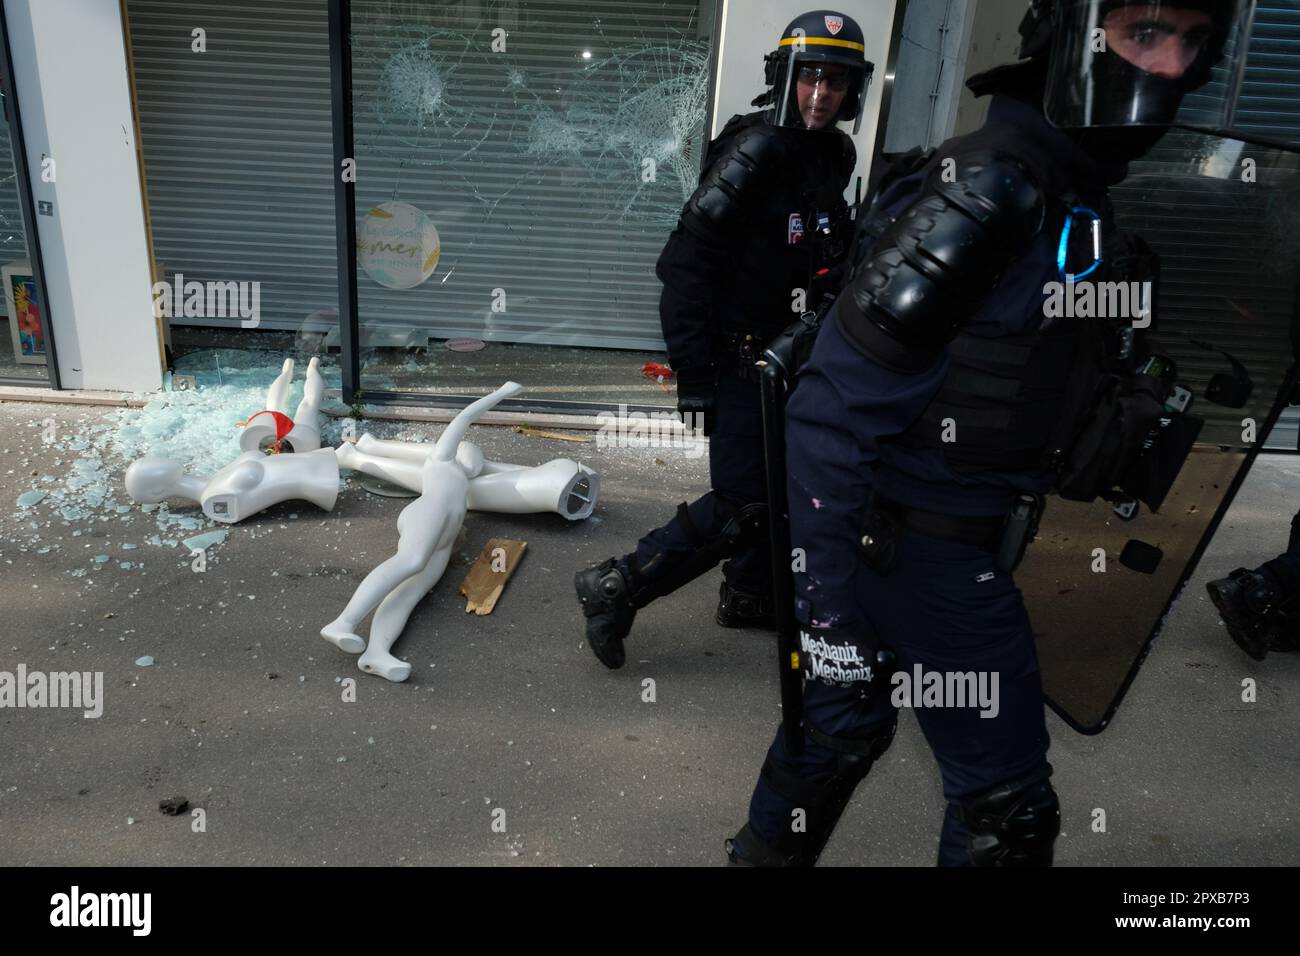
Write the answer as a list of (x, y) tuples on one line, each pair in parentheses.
[(24, 312)]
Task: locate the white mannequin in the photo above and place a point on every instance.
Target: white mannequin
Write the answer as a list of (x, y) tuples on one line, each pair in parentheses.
[(305, 435), (255, 480), (249, 484), (427, 530), (563, 486)]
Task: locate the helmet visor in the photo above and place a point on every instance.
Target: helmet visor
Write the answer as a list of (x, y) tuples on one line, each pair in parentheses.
[(1136, 62), (819, 89)]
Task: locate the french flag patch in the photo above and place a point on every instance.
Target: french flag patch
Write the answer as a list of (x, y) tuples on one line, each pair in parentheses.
[(794, 234)]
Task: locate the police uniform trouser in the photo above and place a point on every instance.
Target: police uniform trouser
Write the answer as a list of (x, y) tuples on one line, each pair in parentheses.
[(1285, 568), (689, 545), (933, 612)]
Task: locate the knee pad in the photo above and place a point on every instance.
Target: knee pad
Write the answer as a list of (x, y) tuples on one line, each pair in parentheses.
[(1013, 824), (748, 526), (822, 799)]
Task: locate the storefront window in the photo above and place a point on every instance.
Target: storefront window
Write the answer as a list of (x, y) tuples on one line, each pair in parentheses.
[(518, 172), (23, 350), (236, 137)]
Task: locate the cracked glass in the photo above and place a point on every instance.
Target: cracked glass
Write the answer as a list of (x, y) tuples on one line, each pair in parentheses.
[(519, 168)]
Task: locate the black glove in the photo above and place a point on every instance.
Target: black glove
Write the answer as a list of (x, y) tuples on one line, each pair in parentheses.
[(697, 387), (791, 349)]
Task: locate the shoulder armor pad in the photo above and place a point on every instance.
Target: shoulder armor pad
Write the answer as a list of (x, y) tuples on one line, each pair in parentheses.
[(734, 181), (932, 269)]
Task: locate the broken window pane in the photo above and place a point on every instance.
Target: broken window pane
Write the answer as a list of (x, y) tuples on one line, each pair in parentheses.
[(519, 168)]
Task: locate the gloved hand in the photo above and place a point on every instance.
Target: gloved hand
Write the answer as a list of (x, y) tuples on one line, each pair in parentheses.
[(697, 387), (791, 349)]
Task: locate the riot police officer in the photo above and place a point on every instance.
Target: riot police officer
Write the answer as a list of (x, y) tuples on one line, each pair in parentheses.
[(766, 227), (1261, 607), (927, 425)]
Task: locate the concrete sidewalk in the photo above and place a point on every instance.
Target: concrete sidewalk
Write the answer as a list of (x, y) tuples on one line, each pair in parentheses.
[(243, 712)]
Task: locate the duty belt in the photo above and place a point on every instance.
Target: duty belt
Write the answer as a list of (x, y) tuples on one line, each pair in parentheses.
[(979, 532)]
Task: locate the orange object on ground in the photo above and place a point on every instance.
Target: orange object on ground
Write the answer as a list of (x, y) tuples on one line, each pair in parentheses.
[(657, 371), (283, 425)]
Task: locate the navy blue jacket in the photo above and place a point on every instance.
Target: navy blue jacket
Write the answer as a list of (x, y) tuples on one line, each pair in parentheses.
[(846, 407)]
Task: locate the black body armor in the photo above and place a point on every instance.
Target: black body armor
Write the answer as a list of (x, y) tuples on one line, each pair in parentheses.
[(767, 219), (1068, 398)]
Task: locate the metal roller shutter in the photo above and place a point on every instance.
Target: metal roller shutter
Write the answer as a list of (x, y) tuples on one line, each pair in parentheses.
[(529, 160), (237, 147), (13, 235)]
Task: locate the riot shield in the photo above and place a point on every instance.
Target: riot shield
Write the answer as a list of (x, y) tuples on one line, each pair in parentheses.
[(1224, 217), (1252, 95)]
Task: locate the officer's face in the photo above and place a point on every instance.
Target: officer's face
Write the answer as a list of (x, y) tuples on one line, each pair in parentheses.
[(821, 91), (1157, 39)]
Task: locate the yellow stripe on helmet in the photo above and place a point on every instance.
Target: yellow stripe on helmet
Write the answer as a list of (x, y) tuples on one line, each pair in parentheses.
[(823, 41)]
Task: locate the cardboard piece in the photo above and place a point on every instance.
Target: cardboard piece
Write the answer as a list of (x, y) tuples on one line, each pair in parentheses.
[(488, 575)]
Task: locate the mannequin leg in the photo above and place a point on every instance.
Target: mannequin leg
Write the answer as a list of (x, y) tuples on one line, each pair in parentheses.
[(392, 615), (414, 551), (279, 390), (406, 474), (415, 451), (305, 434), (313, 392)]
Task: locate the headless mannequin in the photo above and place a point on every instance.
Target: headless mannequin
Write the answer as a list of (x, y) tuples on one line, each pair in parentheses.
[(427, 530), (255, 480), (259, 432), (563, 486)]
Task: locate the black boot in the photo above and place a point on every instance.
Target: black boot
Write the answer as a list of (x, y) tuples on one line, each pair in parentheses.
[(744, 609), (1246, 601), (746, 849), (606, 600), (1284, 635)]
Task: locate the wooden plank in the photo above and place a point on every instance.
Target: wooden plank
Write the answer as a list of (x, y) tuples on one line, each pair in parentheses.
[(488, 575), (52, 396), (534, 432)]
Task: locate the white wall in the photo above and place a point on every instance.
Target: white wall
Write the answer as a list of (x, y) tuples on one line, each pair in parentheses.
[(931, 70), (751, 29), (71, 77), (994, 40)]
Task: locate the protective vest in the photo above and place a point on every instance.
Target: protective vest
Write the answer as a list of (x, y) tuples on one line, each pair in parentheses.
[(788, 232), (1071, 398)]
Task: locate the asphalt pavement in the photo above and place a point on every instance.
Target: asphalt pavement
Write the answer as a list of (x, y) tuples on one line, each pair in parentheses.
[(510, 744)]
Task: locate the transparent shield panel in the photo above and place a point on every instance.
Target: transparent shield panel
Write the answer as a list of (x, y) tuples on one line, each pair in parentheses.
[(1224, 217), (22, 343), (520, 166), (1255, 91)]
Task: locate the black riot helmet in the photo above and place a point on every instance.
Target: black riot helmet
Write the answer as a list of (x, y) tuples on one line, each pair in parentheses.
[(1131, 62), (821, 57)]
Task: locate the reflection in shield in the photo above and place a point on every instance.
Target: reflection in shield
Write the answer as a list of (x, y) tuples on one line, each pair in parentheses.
[(1092, 626), (1230, 274)]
